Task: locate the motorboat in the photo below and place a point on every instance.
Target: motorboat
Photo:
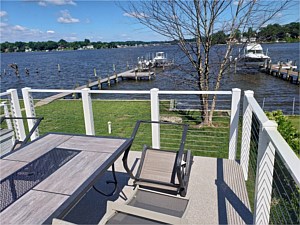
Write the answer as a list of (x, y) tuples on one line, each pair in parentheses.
[(160, 59), (253, 55)]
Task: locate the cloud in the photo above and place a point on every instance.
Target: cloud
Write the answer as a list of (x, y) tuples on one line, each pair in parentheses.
[(3, 13), (66, 17), (135, 15), (56, 2), (19, 28), (50, 32)]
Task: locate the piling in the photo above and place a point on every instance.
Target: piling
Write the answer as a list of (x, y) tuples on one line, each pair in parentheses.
[(279, 70), (58, 68), (135, 74), (95, 72), (99, 83), (108, 81)]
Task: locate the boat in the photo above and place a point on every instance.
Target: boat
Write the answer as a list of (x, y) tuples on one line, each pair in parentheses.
[(160, 59), (253, 55)]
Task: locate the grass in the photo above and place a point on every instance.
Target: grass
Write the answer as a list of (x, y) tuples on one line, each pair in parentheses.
[(67, 116), (295, 120)]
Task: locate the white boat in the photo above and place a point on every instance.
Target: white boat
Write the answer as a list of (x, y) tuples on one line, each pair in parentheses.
[(160, 59), (253, 54)]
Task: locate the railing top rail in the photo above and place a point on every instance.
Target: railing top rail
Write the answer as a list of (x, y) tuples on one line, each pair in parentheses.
[(287, 155), (129, 91), (118, 92), (53, 91), (257, 109), (196, 92), (4, 93)]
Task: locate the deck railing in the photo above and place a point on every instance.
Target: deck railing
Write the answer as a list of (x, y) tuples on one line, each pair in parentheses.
[(276, 190), (162, 107)]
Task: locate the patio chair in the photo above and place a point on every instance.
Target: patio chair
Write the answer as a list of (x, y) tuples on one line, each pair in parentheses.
[(144, 207), (147, 207), (18, 143), (162, 170)]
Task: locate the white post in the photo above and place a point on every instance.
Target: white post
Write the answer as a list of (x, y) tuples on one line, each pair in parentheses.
[(234, 122), (8, 122), (155, 117), (88, 112), (16, 112), (246, 133), (30, 111), (264, 175)]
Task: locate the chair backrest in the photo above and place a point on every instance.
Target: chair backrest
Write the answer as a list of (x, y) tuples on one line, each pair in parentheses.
[(163, 170), (18, 143)]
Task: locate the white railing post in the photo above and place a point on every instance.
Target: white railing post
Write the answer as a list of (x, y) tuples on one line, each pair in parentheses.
[(264, 175), (16, 112), (88, 112), (8, 122), (155, 117), (30, 111), (246, 133), (234, 122)]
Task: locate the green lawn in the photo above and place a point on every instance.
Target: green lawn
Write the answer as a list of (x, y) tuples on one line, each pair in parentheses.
[(67, 116), (295, 120)]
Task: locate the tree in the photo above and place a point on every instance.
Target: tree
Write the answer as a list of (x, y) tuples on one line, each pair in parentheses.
[(199, 20)]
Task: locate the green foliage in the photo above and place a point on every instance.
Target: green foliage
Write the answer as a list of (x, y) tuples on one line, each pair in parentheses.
[(286, 129), (274, 32)]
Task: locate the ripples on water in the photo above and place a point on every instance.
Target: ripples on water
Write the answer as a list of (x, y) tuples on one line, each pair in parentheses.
[(77, 67)]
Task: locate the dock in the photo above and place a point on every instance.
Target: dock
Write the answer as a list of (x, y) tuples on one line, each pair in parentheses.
[(285, 72), (133, 74)]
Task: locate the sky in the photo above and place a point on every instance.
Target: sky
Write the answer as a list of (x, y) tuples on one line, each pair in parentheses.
[(73, 20)]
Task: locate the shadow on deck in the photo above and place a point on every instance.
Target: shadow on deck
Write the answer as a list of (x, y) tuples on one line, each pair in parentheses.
[(217, 193)]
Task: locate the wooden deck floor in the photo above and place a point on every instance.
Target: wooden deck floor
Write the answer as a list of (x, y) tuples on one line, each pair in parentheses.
[(217, 193)]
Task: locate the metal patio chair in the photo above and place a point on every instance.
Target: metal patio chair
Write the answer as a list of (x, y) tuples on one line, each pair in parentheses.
[(162, 170)]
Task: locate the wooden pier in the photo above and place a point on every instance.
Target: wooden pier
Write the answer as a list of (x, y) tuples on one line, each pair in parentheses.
[(281, 71), (129, 74)]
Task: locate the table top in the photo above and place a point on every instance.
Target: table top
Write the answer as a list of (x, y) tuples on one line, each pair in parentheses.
[(57, 170)]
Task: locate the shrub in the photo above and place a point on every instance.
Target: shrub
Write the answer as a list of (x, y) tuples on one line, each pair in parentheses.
[(286, 129)]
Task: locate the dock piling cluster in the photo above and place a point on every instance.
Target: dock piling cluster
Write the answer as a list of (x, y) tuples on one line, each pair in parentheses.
[(280, 70)]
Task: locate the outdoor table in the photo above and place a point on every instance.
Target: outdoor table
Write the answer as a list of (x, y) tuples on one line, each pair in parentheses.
[(47, 177)]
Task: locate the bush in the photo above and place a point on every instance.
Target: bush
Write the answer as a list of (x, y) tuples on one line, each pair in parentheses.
[(286, 129)]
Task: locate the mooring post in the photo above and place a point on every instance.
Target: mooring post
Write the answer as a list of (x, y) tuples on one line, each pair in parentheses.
[(135, 74), (116, 76), (127, 66), (288, 73), (108, 80), (58, 68), (95, 72), (99, 83), (279, 70)]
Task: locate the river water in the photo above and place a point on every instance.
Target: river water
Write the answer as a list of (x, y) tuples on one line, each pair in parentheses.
[(77, 67)]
